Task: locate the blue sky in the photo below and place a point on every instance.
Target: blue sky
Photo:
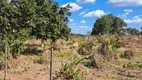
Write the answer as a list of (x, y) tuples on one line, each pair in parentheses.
[(85, 12)]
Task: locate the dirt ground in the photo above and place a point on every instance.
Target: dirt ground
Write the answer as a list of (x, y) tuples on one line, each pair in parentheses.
[(27, 67)]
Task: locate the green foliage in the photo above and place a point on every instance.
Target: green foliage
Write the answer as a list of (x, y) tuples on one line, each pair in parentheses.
[(133, 65), (1, 59), (140, 66), (88, 64), (108, 47), (109, 43), (108, 24), (128, 54), (63, 54), (50, 21), (21, 19), (46, 45), (132, 31), (68, 71), (15, 19), (87, 48), (17, 47)]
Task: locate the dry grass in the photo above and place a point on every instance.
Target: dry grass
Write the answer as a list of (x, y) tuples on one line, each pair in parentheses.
[(27, 68)]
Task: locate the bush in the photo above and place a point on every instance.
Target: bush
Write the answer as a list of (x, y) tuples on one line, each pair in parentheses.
[(108, 47), (87, 48), (68, 71), (128, 54)]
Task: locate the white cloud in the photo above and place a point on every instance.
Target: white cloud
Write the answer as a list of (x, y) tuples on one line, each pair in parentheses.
[(74, 6), (86, 1), (83, 21), (83, 27), (71, 20), (127, 11), (136, 19), (122, 3), (97, 13), (83, 12), (77, 29)]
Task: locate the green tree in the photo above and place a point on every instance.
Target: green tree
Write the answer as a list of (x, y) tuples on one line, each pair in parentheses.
[(132, 31), (51, 21), (108, 24), (43, 19), (14, 21)]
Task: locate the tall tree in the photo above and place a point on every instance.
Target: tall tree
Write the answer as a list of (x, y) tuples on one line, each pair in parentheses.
[(132, 31), (108, 24), (51, 22)]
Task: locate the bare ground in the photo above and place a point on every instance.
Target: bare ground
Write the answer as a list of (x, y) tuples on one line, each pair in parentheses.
[(26, 67)]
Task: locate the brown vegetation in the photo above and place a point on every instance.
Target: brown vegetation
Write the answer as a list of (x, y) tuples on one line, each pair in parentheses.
[(36, 66)]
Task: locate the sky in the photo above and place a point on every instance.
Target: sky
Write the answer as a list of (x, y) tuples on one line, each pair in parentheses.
[(85, 12)]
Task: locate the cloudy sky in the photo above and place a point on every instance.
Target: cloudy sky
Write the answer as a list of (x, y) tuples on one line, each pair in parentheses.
[(85, 12)]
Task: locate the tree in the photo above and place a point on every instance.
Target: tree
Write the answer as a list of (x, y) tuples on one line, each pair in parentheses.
[(15, 19), (108, 24), (132, 31), (43, 19), (51, 22)]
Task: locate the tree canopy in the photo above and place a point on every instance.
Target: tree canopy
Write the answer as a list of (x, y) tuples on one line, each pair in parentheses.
[(43, 19), (132, 31), (39, 18), (51, 21), (108, 24)]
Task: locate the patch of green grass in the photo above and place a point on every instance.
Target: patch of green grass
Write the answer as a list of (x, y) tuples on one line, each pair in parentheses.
[(70, 43), (63, 54), (81, 43), (140, 66)]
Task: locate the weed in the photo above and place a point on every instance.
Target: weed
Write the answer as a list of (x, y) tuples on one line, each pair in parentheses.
[(132, 65), (128, 54), (108, 47), (62, 54), (68, 71), (140, 66)]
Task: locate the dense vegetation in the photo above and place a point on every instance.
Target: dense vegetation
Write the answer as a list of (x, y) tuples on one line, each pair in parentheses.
[(109, 24), (22, 19)]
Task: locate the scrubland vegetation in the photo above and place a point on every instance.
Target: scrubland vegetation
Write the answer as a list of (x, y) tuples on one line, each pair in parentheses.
[(30, 28), (83, 58)]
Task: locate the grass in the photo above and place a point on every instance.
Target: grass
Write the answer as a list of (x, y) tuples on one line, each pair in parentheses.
[(63, 54), (28, 61)]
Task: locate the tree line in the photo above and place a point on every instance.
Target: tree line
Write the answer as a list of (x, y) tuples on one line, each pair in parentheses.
[(109, 24)]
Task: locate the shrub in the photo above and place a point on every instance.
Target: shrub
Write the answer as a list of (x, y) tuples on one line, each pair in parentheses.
[(68, 71), (108, 47), (87, 48), (128, 54)]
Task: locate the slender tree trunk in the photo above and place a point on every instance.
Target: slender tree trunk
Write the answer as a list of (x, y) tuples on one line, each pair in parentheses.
[(51, 59), (5, 64)]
